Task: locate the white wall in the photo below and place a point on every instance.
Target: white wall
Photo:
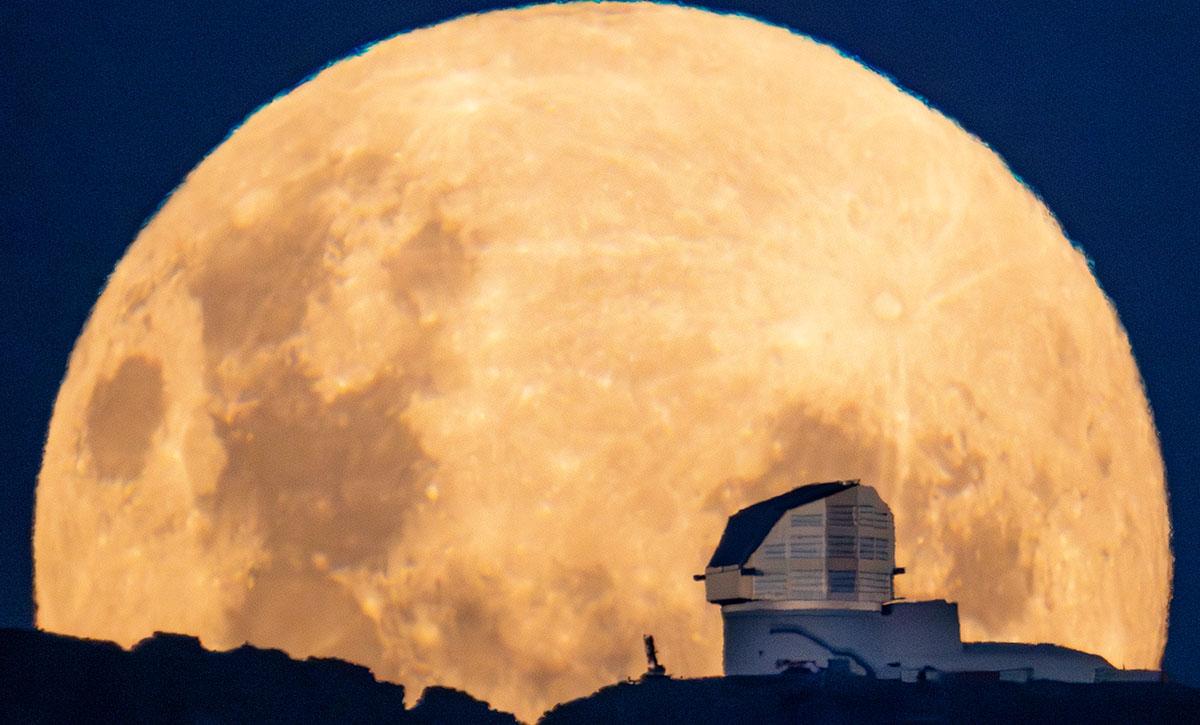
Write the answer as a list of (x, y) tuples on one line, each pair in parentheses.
[(908, 637)]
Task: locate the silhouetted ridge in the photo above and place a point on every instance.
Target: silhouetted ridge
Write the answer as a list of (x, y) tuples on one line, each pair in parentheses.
[(832, 697), (48, 678), (447, 705)]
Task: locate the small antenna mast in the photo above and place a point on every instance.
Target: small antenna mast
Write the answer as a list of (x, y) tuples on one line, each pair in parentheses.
[(653, 668)]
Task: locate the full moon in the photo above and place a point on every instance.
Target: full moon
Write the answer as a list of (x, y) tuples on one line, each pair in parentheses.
[(454, 360)]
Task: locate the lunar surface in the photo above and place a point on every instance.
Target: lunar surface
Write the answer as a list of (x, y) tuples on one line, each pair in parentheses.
[(454, 360)]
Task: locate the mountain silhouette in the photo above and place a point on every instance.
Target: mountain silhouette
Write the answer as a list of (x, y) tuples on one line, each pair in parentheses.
[(171, 678), (49, 678), (831, 696)]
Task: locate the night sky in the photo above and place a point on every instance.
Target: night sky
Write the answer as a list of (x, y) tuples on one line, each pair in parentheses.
[(105, 107)]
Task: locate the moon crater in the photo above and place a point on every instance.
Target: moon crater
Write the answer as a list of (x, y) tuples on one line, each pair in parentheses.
[(124, 412)]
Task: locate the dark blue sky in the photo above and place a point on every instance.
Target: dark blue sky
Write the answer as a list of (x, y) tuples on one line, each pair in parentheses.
[(104, 107)]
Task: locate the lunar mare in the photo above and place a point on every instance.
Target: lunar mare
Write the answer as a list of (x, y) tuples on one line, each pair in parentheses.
[(454, 360)]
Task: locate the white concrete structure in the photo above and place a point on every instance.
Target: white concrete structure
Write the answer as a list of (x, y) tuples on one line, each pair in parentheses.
[(806, 578)]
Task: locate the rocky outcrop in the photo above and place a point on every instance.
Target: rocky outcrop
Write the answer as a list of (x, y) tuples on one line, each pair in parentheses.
[(48, 678)]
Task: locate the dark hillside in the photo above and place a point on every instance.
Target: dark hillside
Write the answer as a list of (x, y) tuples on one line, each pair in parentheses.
[(830, 698), (47, 678)]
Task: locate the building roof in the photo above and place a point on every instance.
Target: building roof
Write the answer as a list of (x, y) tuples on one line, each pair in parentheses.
[(979, 650), (747, 528)]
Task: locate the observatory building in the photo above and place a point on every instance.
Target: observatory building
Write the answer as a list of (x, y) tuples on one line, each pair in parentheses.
[(806, 578)]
